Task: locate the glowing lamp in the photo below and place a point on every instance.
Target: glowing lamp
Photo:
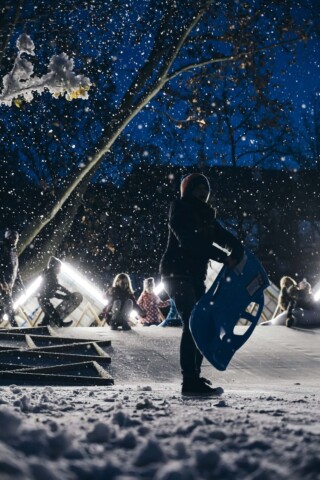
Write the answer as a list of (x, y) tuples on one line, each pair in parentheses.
[(158, 289), (83, 283), (31, 290)]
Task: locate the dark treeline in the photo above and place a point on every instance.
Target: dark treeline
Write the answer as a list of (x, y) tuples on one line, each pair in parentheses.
[(256, 206), (123, 228)]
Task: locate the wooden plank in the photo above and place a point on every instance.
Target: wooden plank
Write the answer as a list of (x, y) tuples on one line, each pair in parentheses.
[(12, 366), (84, 348), (91, 369), (10, 346), (47, 340), (43, 358), (26, 330), (27, 378)]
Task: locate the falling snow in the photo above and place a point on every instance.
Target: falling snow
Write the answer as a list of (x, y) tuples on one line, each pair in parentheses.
[(159, 89)]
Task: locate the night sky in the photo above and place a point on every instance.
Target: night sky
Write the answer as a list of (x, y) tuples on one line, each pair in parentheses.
[(258, 111), (109, 53)]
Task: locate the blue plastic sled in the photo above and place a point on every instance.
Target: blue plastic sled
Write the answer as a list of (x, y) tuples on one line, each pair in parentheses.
[(214, 317)]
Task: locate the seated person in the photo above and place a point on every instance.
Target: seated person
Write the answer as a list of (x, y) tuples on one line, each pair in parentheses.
[(121, 302), (300, 297), (299, 308), (150, 302), (173, 318), (284, 297), (51, 288)]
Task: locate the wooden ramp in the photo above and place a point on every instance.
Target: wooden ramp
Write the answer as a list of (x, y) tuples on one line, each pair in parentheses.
[(76, 374), (39, 356)]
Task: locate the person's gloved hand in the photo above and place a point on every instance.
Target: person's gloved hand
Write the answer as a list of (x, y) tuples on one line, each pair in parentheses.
[(231, 262)]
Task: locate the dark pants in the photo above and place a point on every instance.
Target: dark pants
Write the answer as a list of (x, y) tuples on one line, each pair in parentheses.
[(50, 313), (186, 292), (120, 314), (6, 307)]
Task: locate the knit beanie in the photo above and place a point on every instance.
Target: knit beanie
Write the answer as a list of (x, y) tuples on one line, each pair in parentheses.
[(190, 182)]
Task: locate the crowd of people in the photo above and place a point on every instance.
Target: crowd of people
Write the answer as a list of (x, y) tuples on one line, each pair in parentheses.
[(122, 310)]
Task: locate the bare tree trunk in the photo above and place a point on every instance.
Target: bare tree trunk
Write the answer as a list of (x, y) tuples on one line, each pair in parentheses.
[(11, 29), (136, 98), (33, 262)]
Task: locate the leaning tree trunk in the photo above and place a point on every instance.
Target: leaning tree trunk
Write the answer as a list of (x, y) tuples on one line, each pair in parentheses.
[(142, 90), (33, 261), (149, 80)]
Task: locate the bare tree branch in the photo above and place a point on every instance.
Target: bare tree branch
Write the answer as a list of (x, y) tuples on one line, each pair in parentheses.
[(231, 58), (11, 29)]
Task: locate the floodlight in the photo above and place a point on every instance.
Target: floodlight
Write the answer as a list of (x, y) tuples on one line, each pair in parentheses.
[(83, 283), (28, 293), (317, 295), (158, 289)]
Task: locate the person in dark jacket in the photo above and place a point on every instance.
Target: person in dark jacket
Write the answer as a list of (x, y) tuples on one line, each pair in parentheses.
[(193, 229), (9, 274), (121, 302), (300, 297), (51, 288)]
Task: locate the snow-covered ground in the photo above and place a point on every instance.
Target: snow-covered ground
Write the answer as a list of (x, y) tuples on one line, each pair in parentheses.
[(265, 426)]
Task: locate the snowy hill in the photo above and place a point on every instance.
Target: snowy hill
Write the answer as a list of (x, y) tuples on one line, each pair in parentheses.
[(265, 425)]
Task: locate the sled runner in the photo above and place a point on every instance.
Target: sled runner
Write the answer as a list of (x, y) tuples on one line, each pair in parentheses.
[(67, 306), (215, 315)]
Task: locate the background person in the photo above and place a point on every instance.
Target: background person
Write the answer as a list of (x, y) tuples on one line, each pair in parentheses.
[(51, 288), (284, 296), (150, 303), (301, 297), (9, 274), (121, 302)]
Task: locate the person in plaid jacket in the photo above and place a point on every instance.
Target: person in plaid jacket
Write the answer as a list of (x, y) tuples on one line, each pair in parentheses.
[(150, 303)]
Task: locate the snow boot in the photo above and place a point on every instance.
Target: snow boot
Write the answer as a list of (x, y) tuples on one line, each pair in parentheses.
[(195, 386), (125, 326), (290, 322), (65, 324)]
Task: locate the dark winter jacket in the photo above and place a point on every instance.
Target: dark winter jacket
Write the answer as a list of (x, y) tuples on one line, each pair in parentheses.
[(301, 297), (50, 286), (9, 265), (118, 293), (193, 229)]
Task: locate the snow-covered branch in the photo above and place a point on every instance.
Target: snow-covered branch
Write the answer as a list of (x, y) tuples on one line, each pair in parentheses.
[(21, 84)]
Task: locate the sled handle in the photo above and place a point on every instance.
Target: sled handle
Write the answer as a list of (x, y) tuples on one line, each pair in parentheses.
[(252, 318), (216, 282)]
